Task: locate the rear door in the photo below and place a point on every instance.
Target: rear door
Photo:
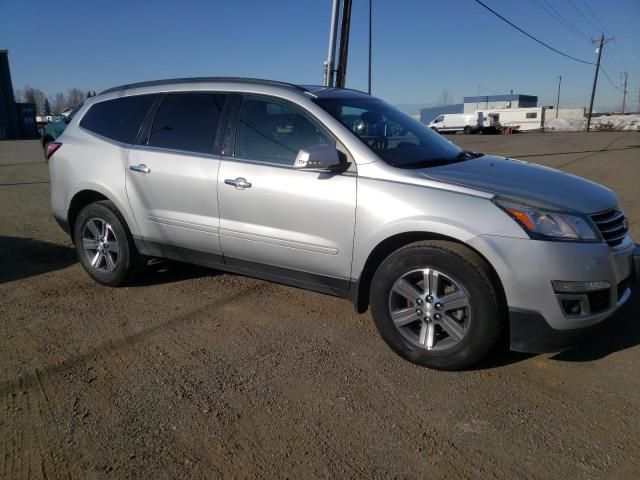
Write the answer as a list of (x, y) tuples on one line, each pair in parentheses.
[(290, 223), (171, 178)]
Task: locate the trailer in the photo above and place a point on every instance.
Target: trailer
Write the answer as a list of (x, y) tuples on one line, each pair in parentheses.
[(517, 119)]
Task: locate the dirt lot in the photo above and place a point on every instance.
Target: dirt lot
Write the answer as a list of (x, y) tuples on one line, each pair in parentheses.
[(198, 374)]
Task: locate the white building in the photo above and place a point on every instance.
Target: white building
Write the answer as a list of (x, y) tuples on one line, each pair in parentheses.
[(491, 102)]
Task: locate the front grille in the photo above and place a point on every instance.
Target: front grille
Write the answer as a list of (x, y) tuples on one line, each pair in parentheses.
[(613, 225)]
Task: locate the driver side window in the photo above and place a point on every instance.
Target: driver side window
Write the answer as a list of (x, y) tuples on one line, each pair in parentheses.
[(274, 132)]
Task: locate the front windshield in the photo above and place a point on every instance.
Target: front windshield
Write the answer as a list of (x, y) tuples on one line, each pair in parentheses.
[(394, 136)]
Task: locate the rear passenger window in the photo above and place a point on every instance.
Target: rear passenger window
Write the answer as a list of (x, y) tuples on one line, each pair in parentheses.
[(187, 121), (118, 119)]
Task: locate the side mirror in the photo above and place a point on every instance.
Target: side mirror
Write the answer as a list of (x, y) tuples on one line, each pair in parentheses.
[(66, 119), (318, 157)]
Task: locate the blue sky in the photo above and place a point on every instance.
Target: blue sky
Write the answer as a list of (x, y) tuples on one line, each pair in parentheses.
[(421, 47)]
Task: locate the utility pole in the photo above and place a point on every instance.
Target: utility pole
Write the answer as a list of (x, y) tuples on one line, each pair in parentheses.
[(329, 65), (341, 74), (624, 93), (595, 78), (638, 100), (558, 100), (369, 82)]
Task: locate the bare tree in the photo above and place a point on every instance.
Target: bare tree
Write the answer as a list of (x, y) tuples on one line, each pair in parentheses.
[(445, 98), (58, 103), (75, 97), (32, 95)]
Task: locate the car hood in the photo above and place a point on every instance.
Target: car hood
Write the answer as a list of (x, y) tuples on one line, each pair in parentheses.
[(528, 183)]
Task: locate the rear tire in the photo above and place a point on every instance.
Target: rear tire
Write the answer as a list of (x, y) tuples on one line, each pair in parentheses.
[(467, 130), (449, 326), (104, 244)]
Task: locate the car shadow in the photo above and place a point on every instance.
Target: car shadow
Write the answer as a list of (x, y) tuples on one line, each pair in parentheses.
[(22, 258), (622, 331), (27, 257), (159, 270)]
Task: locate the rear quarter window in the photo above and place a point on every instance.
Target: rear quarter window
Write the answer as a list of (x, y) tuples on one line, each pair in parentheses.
[(118, 119)]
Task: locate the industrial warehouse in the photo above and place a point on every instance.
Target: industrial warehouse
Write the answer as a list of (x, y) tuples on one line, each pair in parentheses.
[(17, 120)]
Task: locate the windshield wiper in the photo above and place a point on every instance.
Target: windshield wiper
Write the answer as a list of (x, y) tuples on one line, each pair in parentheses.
[(438, 162)]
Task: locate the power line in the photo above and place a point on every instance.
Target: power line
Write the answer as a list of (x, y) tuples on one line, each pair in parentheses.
[(608, 78), (620, 54), (553, 13), (595, 17), (531, 36), (605, 29), (583, 16)]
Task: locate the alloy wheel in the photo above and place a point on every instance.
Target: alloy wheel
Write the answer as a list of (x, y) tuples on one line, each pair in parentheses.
[(100, 245), (431, 309)]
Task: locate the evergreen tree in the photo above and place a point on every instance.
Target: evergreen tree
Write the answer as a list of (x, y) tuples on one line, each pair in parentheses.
[(47, 107), (88, 93)]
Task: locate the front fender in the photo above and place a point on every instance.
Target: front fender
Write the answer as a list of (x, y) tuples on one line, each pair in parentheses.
[(398, 208)]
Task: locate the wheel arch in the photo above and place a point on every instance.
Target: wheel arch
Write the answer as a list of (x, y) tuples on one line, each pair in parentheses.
[(360, 295), (80, 200)]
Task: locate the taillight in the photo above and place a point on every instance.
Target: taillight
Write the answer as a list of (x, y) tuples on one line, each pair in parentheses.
[(52, 148)]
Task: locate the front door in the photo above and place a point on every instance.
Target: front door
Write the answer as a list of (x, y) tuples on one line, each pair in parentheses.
[(292, 223), (171, 180)]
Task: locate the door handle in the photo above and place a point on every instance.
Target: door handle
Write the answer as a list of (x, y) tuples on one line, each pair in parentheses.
[(240, 183), (142, 168)]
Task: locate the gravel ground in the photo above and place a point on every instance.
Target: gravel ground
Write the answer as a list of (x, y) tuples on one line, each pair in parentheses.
[(193, 373)]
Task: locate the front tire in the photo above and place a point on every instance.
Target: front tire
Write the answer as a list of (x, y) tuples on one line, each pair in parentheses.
[(104, 244), (435, 305)]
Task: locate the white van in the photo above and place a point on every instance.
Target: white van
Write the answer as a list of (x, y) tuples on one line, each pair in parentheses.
[(464, 122)]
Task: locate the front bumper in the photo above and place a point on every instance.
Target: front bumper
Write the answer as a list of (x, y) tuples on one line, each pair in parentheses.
[(526, 268)]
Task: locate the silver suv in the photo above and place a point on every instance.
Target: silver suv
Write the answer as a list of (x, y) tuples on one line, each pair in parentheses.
[(336, 191)]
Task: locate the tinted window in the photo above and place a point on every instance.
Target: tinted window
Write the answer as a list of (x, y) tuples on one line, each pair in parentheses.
[(394, 136), (274, 132), (118, 119), (187, 121)]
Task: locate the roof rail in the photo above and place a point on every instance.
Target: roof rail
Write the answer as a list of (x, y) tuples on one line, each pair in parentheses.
[(170, 81)]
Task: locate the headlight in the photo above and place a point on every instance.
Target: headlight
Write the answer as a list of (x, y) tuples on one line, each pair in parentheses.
[(551, 225)]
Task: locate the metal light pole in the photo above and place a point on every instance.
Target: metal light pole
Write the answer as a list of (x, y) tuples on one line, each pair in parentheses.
[(624, 93), (369, 82), (341, 73), (329, 65), (558, 100)]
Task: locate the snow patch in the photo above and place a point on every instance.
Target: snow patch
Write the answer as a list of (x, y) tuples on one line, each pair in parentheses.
[(606, 122)]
